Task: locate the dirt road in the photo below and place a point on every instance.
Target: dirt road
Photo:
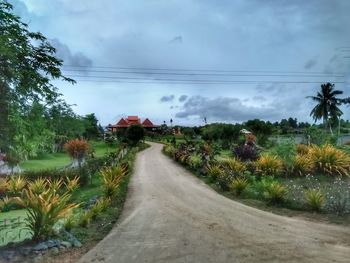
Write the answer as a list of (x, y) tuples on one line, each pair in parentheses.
[(171, 216)]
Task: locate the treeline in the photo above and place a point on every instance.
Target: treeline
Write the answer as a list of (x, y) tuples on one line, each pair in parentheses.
[(229, 134), (40, 129), (34, 118)]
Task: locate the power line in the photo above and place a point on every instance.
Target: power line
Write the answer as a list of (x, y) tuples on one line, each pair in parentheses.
[(200, 74), (171, 79), (192, 81), (194, 70)]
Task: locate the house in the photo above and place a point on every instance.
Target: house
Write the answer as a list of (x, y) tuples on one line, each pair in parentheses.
[(124, 123)]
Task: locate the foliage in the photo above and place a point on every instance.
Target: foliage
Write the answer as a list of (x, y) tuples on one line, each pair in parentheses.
[(285, 150), (234, 166), (224, 180), (38, 186), (195, 161), (314, 199), (302, 149), (214, 171), (275, 192), (45, 209), (3, 186), (100, 206), (327, 104), (27, 67), (135, 133), (72, 184), (269, 165), (239, 184), (112, 177), (91, 126), (301, 165), (328, 160), (16, 184), (77, 148), (246, 152), (169, 150)]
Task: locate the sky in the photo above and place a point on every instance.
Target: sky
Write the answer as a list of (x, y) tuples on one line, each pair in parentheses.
[(228, 61)]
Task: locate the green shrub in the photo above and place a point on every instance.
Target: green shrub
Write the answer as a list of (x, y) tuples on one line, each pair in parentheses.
[(286, 150), (45, 210), (275, 192), (16, 184), (239, 184), (70, 222), (314, 199), (214, 171), (269, 165), (38, 186), (329, 160), (3, 186), (302, 149), (112, 177), (100, 206), (135, 133), (195, 161), (301, 165), (72, 184), (234, 166), (224, 180)]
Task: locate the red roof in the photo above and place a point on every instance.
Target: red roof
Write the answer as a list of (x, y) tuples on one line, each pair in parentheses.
[(147, 123), (124, 123)]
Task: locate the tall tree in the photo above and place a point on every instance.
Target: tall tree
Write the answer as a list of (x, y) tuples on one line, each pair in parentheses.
[(27, 65), (327, 104)]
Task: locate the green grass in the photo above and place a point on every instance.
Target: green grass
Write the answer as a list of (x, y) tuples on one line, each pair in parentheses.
[(224, 154), (12, 227), (59, 160)]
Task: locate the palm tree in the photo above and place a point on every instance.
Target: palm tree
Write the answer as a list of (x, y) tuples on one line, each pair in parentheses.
[(327, 104)]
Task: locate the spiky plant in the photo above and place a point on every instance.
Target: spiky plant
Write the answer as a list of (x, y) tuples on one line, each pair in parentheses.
[(301, 165), (72, 184), (16, 184), (302, 149), (329, 160), (45, 210), (4, 185), (56, 184), (112, 177), (275, 192), (38, 186), (100, 206), (239, 184), (269, 165), (214, 171), (234, 166), (315, 199)]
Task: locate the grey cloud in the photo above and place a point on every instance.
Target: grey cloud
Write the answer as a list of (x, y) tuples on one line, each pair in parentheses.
[(176, 40), (169, 98), (259, 98), (234, 110), (74, 59), (182, 98), (223, 109), (310, 63)]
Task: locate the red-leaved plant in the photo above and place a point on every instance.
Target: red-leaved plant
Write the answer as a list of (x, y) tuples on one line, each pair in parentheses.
[(77, 149)]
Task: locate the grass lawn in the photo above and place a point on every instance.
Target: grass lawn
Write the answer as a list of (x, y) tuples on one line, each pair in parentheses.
[(12, 227), (58, 160)]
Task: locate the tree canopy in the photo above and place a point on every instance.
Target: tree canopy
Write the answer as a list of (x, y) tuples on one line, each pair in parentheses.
[(27, 66), (328, 103)]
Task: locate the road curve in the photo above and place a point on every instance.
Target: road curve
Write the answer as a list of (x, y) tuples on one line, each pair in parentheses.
[(172, 216)]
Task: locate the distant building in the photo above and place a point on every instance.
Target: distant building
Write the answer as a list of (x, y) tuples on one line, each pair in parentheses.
[(124, 123)]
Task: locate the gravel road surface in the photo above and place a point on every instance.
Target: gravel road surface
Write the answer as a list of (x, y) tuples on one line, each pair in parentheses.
[(172, 216)]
